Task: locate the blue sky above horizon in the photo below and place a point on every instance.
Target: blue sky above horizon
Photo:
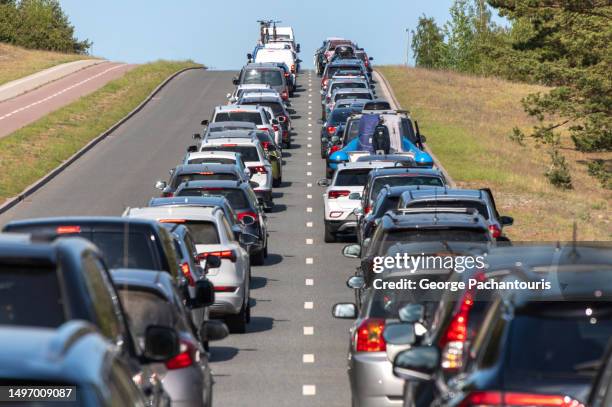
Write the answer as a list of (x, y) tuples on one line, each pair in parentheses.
[(220, 34)]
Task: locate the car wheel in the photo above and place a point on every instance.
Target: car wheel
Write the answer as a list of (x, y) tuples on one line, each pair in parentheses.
[(330, 237), (258, 258), (237, 323)]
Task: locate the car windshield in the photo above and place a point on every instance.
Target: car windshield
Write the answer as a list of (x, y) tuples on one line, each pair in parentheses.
[(581, 332), (203, 176), (20, 285), (404, 180), (203, 232), (249, 153), (211, 160), (144, 309), (251, 117), (236, 197), (134, 252), (275, 106), (470, 204), (266, 76), (352, 95), (352, 177), (340, 116)]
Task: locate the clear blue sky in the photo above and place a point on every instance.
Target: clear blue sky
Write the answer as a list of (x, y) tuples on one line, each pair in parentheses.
[(220, 33)]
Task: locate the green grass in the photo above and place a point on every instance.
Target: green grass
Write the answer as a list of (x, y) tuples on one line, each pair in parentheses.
[(17, 62), (468, 120), (33, 151)]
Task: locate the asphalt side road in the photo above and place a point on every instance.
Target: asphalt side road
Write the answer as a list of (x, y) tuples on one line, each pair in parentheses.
[(294, 352)]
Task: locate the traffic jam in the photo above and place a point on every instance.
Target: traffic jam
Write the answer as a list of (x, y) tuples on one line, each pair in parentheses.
[(447, 310)]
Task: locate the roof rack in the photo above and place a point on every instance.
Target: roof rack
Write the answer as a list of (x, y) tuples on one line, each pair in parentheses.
[(467, 211)]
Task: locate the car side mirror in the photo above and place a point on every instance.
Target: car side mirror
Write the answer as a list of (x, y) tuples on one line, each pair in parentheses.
[(346, 310), (213, 330), (298, 61), (412, 313), (247, 220), (355, 282), (282, 119), (196, 136), (418, 363), (204, 293), (298, 48), (352, 251), (249, 56), (355, 196), (371, 58), (358, 212), (247, 239), (399, 333), (323, 182), (161, 343), (423, 138), (161, 185), (235, 81), (204, 122), (192, 149), (506, 220)]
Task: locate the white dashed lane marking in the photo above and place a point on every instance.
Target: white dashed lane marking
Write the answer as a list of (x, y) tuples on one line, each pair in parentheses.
[(309, 330), (308, 358), (308, 305), (309, 390), (309, 241), (308, 224), (309, 282), (309, 260)]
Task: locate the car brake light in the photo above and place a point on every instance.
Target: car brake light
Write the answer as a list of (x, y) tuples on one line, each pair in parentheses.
[(499, 399), (275, 127), (367, 209), (207, 173), (225, 289), (334, 148), (167, 194), (62, 230), (247, 213), (495, 231), (292, 68), (331, 130), (171, 221), (285, 95), (369, 336), (265, 145), (223, 254), (185, 358), (259, 169), (286, 75), (229, 145), (337, 194), (187, 273), (453, 341)]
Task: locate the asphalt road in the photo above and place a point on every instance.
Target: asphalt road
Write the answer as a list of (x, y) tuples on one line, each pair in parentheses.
[(294, 352)]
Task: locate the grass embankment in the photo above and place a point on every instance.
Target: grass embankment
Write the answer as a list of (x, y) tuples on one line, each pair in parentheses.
[(467, 121), (32, 151), (17, 62)]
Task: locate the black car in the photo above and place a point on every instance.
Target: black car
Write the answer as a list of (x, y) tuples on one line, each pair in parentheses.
[(199, 172), (244, 202), (68, 279), (48, 356)]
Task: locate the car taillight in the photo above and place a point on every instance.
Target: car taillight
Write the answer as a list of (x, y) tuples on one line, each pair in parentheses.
[(286, 75), (285, 95), (367, 210), (369, 336), (495, 231), (292, 68), (337, 194), (225, 289), (331, 130), (247, 213), (324, 83), (223, 254), (62, 230), (185, 358), (499, 399), (265, 145), (334, 148), (186, 270), (259, 169), (275, 127), (167, 194)]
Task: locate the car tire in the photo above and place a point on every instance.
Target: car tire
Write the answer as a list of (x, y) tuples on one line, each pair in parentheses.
[(258, 258), (330, 237), (237, 323)]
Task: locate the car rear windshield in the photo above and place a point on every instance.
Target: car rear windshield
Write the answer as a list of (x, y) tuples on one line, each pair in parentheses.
[(581, 332), (20, 285), (478, 205), (348, 85), (345, 69), (277, 109), (352, 178), (378, 106), (402, 236), (208, 176), (212, 160), (251, 117), (404, 180), (340, 116), (341, 96), (144, 309), (203, 232), (249, 153), (134, 252), (236, 197), (267, 76)]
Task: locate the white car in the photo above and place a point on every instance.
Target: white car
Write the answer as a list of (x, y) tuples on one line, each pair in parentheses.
[(254, 158), (343, 196), (212, 235), (265, 55), (251, 87), (260, 116)]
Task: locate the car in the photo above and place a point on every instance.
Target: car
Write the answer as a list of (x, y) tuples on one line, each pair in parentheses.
[(510, 362), (278, 109), (55, 356), (151, 299), (335, 84), (341, 64), (345, 93), (480, 199), (213, 237), (201, 172), (290, 76), (343, 196), (274, 55), (331, 44), (69, 280), (255, 159), (261, 116), (255, 87), (367, 60), (601, 391), (264, 74), (217, 157), (335, 119), (274, 154), (243, 201)]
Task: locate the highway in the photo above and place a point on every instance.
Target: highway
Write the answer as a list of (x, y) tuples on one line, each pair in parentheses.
[(294, 352)]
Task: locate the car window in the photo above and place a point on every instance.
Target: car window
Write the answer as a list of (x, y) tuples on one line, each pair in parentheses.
[(189, 244), (19, 285), (352, 178), (407, 130), (403, 236), (228, 229), (340, 96), (352, 131), (404, 180), (211, 160), (277, 109), (146, 308), (235, 196), (339, 116), (480, 206), (171, 256), (127, 250), (348, 85), (269, 77), (249, 153), (251, 117), (204, 176), (123, 391), (203, 232)]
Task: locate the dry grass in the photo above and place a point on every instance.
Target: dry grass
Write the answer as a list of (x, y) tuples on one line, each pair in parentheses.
[(467, 121), (32, 151), (16, 62)]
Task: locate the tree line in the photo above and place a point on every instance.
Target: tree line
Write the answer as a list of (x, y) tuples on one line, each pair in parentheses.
[(39, 24), (565, 44)]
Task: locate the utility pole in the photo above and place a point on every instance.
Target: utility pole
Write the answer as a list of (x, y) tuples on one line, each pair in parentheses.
[(407, 46)]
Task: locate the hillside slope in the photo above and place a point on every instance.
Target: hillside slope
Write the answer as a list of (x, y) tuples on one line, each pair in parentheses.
[(467, 121)]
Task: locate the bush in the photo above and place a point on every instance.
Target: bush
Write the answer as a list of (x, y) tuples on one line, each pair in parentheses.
[(558, 174)]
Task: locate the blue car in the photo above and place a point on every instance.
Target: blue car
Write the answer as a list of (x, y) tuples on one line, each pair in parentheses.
[(404, 139)]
